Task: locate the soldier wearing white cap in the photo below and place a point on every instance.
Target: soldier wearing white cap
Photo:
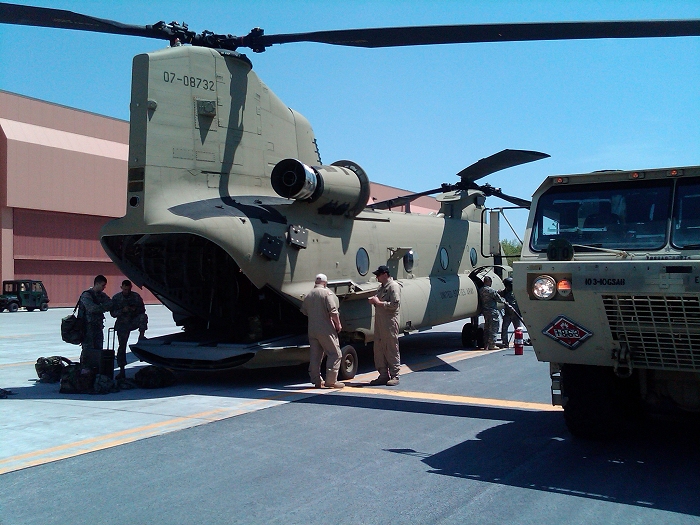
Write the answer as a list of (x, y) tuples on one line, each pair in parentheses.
[(321, 307)]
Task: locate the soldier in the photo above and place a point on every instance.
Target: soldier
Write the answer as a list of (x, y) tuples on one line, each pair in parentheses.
[(386, 328), (489, 299), (93, 303), (321, 307), (128, 308), (511, 314)]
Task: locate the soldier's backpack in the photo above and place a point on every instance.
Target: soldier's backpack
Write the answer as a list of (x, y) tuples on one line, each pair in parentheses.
[(77, 380), (49, 369), (154, 377), (73, 327)]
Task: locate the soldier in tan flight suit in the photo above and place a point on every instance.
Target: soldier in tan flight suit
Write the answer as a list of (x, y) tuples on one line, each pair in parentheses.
[(321, 307), (386, 328)]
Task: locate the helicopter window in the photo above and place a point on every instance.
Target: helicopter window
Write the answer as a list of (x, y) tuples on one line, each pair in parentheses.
[(362, 261), (624, 215), (685, 229), (444, 258), (473, 257), (408, 262)]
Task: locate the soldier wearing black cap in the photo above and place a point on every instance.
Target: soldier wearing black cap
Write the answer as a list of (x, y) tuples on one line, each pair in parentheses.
[(386, 328)]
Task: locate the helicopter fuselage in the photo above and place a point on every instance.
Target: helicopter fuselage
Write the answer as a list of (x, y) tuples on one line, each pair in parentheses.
[(209, 235)]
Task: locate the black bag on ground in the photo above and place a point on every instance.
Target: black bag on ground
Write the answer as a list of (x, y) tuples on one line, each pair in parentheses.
[(73, 328), (76, 379), (154, 377), (49, 369)]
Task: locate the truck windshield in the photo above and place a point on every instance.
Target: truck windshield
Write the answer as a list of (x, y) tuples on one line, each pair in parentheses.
[(629, 215), (685, 229)]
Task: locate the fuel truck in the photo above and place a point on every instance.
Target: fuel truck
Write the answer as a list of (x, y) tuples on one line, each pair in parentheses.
[(609, 287)]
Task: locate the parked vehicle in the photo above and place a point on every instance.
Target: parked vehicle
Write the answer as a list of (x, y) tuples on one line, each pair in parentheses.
[(23, 293)]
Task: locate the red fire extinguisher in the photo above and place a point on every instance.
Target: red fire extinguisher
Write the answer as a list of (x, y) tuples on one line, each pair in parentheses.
[(518, 341)]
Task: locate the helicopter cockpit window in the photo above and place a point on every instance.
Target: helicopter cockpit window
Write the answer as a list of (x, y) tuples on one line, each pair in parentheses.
[(626, 215), (362, 261), (444, 258), (685, 229), (408, 262)]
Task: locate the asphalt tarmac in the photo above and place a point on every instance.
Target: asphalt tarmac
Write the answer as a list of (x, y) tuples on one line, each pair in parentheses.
[(467, 437)]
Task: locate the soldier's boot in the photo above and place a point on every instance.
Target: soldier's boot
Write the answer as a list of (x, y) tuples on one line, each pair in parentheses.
[(382, 379), (393, 381), (332, 380), (120, 375)]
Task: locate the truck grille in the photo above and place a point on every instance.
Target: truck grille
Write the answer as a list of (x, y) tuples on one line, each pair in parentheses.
[(662, 332)]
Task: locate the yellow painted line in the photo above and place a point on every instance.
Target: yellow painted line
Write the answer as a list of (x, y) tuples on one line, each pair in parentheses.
[(452, 357), (464, 400), (85, 446), (11, 365)]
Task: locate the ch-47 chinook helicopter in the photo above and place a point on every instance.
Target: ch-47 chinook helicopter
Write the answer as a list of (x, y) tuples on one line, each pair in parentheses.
[(230, 213)]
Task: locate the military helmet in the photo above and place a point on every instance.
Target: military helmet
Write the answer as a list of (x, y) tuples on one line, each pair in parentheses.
[(508, 281)]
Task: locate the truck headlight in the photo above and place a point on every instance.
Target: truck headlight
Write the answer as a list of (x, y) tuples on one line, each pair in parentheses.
[(544, 287)]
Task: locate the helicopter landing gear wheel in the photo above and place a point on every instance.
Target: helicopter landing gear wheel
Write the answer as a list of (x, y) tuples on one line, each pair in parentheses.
[(479, 336), (468, 334), (348, 363)]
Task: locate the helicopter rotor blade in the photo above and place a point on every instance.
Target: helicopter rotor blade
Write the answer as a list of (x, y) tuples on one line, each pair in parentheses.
[(405, 199), (61, 19), (472, 33), (368, 38), (497, 162), (490, 191)]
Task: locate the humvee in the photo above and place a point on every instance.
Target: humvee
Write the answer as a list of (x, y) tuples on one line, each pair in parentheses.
[(609, 286), (23, 293)]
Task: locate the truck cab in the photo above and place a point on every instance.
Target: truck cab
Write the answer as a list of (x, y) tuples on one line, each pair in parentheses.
[(23, 293), (609, 286)]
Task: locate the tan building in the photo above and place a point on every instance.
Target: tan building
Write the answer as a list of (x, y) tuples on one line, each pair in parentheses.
[(63, 174)]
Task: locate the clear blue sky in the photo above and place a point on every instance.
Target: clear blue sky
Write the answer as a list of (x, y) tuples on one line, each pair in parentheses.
[(413, 117)]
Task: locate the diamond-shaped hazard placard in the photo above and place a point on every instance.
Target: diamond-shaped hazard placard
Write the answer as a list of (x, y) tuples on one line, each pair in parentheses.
[(563, 330)]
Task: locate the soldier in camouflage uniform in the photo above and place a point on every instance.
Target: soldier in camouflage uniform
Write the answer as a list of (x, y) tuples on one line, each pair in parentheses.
[(128, 308), (93, 304), (386, 328), (511, 314), (489, 299)]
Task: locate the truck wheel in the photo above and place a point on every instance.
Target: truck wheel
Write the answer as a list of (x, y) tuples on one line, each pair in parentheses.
[(599, 405), (13, 307), (348, 363), (468, 335), (44, 307)]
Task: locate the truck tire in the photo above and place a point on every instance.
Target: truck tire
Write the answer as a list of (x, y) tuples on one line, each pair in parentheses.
[(599, 405), (44, 307), (12, 307)]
